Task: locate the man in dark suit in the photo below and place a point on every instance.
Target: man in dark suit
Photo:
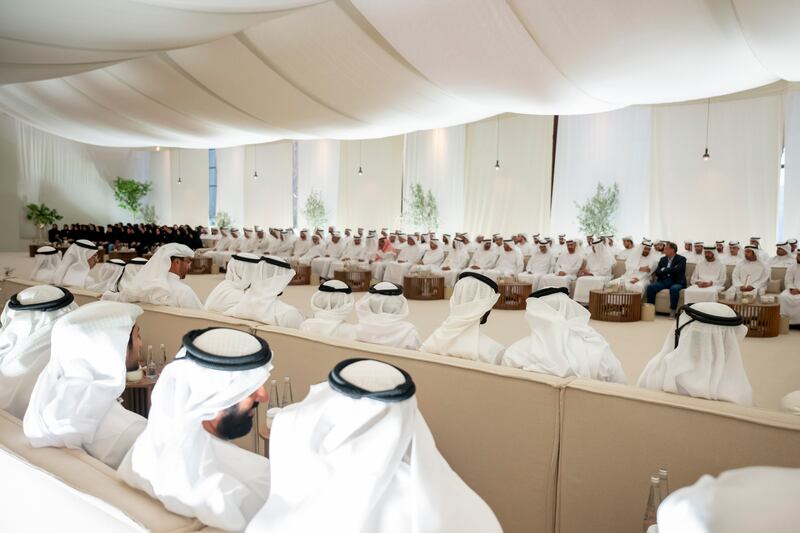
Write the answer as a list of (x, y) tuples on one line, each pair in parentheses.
[(670, 274)]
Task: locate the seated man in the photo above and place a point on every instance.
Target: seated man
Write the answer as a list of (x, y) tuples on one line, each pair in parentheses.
[(25, 341), (456, 260), (483, 259), (762, 254), (561, 342), (567, 266), (596, 271), (733, 257), (459, 335), (354, 252), (697, 252), (790, 297), (526, 248), (74, 268), (783, 257), (159, 281), (333, 251), (105, 276), (132, 268), (688, 251), (261, 301), (627, 248), (302, 245), (749, 276), (432, 259), (708, 279), (705, 359), (227, 248), (382, 318), (47, 261), (74, 402), (205, 398), (385, 474), (671, 275), (509, 262), (406, 258), (540, 264), (242, 272), (332, 303), (316, 250), (639, 267)]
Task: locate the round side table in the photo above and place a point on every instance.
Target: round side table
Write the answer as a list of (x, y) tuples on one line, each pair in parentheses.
[(423, 288), (513, 295), (358, 280), (302, 275), (612, 306)]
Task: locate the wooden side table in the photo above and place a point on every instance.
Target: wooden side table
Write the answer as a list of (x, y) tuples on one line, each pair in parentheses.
[(200, 265), (302, 275), (513, 295), (423, 287), (125, 256), (136, 396), (358, 280), (612, 306), (762, 320)]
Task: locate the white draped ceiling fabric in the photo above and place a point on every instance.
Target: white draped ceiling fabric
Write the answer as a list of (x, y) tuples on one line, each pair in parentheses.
[(202, 73)]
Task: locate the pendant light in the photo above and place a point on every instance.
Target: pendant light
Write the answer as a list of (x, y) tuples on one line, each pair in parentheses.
[(497, 144), (180, 181), (706, 155), (255, 161), (360, 146)]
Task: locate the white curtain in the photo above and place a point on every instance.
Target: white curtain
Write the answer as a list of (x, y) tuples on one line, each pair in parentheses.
[(791, 177), (604, 148), (435, 160), (734, 194), (515, 198), (230, 183), (189, 199), (318, 170), (370, 200), (268, 199)]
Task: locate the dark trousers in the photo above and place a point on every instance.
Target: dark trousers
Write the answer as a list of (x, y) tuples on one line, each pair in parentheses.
[(674, 292)]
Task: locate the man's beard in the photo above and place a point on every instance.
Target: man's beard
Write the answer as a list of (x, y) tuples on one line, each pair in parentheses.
[(235, 424)]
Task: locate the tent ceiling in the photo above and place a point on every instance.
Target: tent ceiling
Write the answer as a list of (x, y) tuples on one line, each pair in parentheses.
[(199, 73)]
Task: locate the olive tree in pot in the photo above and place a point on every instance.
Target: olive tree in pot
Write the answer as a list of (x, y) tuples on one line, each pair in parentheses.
[(41, 216)]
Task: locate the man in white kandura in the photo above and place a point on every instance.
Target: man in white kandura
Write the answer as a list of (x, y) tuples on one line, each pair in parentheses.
[(432, 259), (744, 500), (356, 456), (332, 304), (627, 248), (354, 252), (408, 256), (45, 264), (205, 398), (485, 258), (701, 356), (456, 261), (301, 246), (459, 335), (132, 268), (333, 251), (567, 266), (383, 318), (509, 262), (708, 279), (750, 276), (74, 268), (242, 271), (733, 257), (105, 276), (762, 254), (790, 297), (262, 301), (74, 402), (27, 322), (783, 256), (688, 251), (316, 250), (639, 267), (540, 264), (561, 342), (526, 248), (159, 281), (595, 273)]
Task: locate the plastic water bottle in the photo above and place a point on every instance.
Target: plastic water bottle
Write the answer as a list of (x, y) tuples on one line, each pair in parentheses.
[(653, 500), (151, 365), (287, 392), (664, 476), (274, 400)]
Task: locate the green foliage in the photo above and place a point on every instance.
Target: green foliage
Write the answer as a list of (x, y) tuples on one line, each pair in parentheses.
[(41, 215), (315, 210), (222, 220), (594, 216), (422, 211), (149, 214), (129, 193)]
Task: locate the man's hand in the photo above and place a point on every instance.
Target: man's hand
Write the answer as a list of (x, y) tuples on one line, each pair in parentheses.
[(794, 291), (445, 268), (327, 255), (562, 273), (644, 269), (401, 261), (745, 288), (475, 267), (634, 280)]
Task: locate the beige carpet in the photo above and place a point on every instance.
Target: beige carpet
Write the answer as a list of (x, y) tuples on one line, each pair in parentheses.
[(773, 365)]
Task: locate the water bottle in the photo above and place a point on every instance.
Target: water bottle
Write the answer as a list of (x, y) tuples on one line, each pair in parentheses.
[(287, 392), (664, 476), (653, 500), (151, 365), (163, 362), (274, 401)]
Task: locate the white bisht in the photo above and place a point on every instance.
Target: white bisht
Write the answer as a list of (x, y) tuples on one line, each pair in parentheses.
[(785, 260), (562, 343), (790, 303), (175, 460), (382, 317), (714, 271), (754, 273), (105, 276), (74, 402), (456, 260), (540, 264), (707, 360), (568, 263), (74, 267), (599, 262), (262, 302), (634, 263), (46, 263), (356, 456), (409, 256), (243, 270), (473, 297), (332, 303), (155, 284), (27, 322), (132, 268), (744, 500)]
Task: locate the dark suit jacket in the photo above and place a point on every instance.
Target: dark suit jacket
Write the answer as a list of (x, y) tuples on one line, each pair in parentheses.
[(675, 274)]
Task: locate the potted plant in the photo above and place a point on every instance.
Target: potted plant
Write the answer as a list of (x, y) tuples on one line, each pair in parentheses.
[(422, 212), (41, 216), (129, 193), (223, 220), (596, 214), (315, 210)]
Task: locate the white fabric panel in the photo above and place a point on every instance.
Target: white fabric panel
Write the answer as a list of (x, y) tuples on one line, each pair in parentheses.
[(791, 176), (517, 197), (771, 32), (230, 182), (435, 160), (371, 200), (161, 195), (190, 198), (734, 194), (318, 170), (268, 200), (605, 148)]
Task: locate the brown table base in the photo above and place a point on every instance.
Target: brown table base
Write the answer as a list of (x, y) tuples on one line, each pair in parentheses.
[(125, 256), (513, 296), (358, 280), (611, 306), (423, 288), (302, 275), (136, 396), (200, 265), (762, 320)]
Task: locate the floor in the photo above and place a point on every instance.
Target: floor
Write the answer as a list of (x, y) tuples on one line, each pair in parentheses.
[(773, 364)]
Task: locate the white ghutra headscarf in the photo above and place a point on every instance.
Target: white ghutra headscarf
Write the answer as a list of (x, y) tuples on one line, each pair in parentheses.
[(47, 261), (382, 317), (262, 302), (74, 267), (332, 303), (241, 272), (150, 284)]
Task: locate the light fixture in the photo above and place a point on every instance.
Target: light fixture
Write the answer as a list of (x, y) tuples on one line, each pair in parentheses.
[(360, 152), (497, 144), (179, 180), (255, 162), (179, 167), (158, 148), (706, 155)]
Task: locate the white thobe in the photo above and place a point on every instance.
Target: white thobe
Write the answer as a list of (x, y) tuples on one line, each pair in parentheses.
[(632, 270), (183, 295), (732, 259), (569, 263), (752, 273), (715, 272), (539, 265), (311, 254), (395, 271), (301, 246), (508, 264), (352, 252), (484, 260), (455, 262), (599, 264), (784, 261), (333, 251), (790, 303)]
